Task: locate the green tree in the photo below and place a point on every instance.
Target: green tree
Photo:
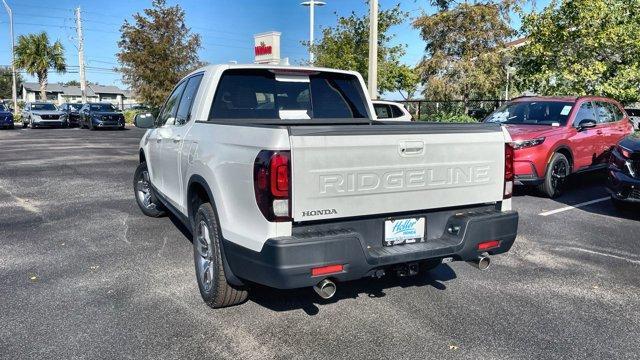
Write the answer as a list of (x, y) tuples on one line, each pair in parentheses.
[(36, 56), (156, 51), (464, 53), (346, 46), (72, 83), (6, 82), (582, 47)]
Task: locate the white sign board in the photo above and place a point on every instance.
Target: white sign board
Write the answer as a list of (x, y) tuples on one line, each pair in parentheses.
[(266, 48)]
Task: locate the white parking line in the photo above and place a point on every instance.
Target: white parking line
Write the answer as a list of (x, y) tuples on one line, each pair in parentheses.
[(547, 213)]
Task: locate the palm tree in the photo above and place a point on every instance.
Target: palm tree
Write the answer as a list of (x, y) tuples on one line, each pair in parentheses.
[(36, 56)]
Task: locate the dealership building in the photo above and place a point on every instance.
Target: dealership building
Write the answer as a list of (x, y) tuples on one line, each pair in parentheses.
[(59, 93)]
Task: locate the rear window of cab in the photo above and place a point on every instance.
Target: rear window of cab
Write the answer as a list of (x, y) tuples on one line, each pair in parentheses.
[(265, 94)]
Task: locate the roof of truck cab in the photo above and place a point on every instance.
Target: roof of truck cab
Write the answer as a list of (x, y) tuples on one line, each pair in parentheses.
[(272, 67)]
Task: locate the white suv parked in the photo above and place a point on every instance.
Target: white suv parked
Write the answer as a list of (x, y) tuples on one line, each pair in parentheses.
[(285, 180), (391, 111)]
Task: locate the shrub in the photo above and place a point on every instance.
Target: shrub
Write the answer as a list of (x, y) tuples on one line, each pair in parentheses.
[(448, 118), (130, 114)]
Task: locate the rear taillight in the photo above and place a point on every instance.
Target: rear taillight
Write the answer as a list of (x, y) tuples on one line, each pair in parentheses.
[(271, 174), (508, 171)]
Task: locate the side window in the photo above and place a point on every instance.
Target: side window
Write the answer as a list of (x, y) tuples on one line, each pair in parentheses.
[(190, 91), (382, 111), (586, 112), (396, 112), (615, 110), (168, 114), (605, 115)]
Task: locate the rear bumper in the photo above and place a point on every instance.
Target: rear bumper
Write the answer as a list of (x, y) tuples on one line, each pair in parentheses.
[(286, 262), (622, 186)]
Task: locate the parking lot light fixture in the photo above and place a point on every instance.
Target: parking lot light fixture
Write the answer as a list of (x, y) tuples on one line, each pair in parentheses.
[(311, 4)]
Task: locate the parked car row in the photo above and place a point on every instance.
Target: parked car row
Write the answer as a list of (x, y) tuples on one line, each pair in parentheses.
[(88, 116)]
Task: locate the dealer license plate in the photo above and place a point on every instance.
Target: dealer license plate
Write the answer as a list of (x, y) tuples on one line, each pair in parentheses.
[(404, 231)]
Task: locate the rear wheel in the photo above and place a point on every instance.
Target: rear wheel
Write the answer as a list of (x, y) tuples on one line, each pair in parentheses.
[(207, 255), (148, 203), (556, 176)]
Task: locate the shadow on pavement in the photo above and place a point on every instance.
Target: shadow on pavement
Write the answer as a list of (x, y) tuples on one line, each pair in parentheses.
[(586, 187), (308, 301)]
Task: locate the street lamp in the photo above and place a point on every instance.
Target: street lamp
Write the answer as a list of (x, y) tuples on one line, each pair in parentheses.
[(13, 59), (311, 4)]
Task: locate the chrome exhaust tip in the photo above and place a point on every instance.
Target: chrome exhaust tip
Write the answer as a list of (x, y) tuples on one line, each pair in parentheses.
[(325, 289), (481, 263)]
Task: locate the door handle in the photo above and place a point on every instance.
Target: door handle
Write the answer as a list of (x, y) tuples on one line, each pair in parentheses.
[(599, 132), (410, 147), (158, 139), (176, 139)]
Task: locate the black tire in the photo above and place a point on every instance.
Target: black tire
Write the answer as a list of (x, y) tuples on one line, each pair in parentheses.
[(621, 205), (555, 178), (214, 288), (24, 124), (91, 127), (142, 191)]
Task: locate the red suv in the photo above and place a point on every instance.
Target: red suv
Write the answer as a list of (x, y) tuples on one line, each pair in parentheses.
[(557, 136)]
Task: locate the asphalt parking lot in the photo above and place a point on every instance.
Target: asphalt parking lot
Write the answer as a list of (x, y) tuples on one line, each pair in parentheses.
[(83, 274)]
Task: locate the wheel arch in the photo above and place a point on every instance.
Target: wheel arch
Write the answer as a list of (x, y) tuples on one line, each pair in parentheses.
[(564, 150), (198, 191), (142, 157)]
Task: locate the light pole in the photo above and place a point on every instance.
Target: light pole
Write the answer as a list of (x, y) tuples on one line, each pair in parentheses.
[(373, 49), (13, 59), (311, 4)]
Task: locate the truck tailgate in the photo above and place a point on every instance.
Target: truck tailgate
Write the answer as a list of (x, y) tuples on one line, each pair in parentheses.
[(358, 170)]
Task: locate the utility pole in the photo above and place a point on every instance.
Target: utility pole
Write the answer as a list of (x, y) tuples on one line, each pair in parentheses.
[(311, 4), (83, 80), (14, 91), (373, 49)]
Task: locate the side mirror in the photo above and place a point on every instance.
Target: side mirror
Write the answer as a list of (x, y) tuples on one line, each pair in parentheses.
[(586, 124), (144, 121)]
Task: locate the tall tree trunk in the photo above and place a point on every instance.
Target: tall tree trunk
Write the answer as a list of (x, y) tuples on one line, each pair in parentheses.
[(43, 79)]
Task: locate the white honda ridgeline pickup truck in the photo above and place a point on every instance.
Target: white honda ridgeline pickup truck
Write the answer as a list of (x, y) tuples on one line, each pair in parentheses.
[(285, 179)]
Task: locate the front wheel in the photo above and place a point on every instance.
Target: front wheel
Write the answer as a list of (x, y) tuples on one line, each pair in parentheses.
[(556, 176), (621, 205), (207, 254), (148, 203)]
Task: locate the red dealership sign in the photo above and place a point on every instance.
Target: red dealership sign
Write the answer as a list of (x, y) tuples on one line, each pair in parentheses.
[(262, 49)]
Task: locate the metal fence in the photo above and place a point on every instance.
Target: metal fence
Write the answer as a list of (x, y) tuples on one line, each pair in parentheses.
[(427, 109)]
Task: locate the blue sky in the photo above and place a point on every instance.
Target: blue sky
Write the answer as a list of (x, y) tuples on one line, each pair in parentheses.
[(226, 26)]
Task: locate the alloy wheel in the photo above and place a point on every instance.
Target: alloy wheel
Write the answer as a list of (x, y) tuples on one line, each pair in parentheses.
[(558, 174), (143, 191), (205, 261)]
